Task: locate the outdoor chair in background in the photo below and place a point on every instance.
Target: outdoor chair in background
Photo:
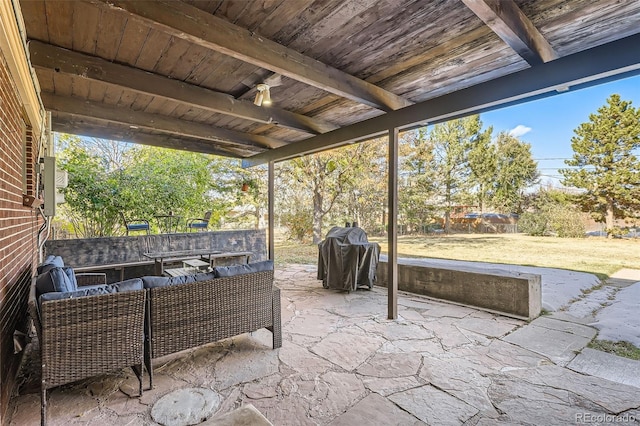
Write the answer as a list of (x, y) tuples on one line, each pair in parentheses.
[(200, 223), (135, 224)]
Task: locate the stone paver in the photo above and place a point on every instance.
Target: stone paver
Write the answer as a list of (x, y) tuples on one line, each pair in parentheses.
[(460, 380), (247, 415), (348, 350), (607, 366), (433, 406), (391, 365), (184, 407), (560, 341), (620, 321), (591, 303), (374, 409), (343, 362), (614, 397)]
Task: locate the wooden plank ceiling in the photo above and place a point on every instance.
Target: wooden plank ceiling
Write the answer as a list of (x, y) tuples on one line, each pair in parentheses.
[(183, 74)]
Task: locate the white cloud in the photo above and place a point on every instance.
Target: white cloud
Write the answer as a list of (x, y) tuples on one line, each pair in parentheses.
[(519, 130)]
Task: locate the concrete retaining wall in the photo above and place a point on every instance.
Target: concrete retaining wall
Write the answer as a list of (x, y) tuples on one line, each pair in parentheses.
[(509, 293)]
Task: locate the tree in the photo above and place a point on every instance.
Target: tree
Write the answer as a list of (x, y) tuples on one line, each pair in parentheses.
[(605, 163), (483, 162), (93, 192), (328, 177), (417, 178), (251, 201), (163, 180), (552, 212), (515, 171), (452, 141), (107, 179)]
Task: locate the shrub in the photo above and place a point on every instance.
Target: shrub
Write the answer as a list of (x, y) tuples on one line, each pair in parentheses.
[(533, 223), (567, 222), (615, 232), (299, 225)]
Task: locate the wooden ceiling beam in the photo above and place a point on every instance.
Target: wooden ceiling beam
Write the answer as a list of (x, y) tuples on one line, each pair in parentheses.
[(59, 60), (77, 125), (507, 20), (192, 24), (156, 122), (597, 65)]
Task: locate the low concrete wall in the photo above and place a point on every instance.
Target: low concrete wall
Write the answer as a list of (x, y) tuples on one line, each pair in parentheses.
[(87, 252), (505, 292)]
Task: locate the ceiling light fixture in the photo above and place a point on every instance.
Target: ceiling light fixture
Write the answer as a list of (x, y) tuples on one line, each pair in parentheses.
[(263, 96)]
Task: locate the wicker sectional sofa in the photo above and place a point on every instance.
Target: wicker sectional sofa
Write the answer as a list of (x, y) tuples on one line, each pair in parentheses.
[(87, 330), (212, 308)]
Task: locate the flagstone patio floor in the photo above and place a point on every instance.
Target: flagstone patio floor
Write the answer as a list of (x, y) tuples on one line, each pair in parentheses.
[(344, 363)]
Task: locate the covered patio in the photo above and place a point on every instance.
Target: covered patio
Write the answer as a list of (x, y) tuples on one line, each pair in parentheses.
[(198, 76), (343, 363), (270, 81)]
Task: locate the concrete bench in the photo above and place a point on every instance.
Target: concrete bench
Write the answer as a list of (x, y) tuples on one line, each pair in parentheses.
[(505, 292)]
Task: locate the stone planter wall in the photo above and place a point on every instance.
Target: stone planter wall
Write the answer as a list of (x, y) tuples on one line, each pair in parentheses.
[(90, 252)]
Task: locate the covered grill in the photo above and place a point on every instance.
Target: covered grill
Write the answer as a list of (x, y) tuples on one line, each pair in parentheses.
[(347, 260)]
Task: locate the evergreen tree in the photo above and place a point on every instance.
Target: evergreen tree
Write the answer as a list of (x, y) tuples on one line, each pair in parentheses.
[(605, 162), (416, 187), (515, 171), (483, 162), (452, 142)]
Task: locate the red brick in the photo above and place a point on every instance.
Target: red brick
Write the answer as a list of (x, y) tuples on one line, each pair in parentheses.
[(18, 229)]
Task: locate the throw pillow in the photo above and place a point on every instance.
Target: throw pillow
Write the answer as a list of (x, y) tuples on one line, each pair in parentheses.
[(54, 280), (72, 276)]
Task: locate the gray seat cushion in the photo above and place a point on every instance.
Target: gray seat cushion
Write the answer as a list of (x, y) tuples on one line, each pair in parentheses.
[(230, 271), (119, 287), (155, 282), (56, 280)]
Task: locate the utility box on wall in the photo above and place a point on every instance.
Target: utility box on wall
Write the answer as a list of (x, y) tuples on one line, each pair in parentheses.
[(49, 182), (52, 180)]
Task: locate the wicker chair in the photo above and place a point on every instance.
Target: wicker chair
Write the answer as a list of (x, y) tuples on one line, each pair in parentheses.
[(86, 336), (190, 315)]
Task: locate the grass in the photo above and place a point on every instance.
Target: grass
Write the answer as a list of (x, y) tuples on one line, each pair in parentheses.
[(599, 256), (295, 252), (624, 349)]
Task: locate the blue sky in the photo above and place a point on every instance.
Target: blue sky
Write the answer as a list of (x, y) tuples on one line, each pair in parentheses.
[(548, 124)]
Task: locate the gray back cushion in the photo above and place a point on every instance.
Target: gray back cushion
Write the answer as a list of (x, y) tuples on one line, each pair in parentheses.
[(49, 263), (155, 282), (230, 271), (120, 287), (56, 280)]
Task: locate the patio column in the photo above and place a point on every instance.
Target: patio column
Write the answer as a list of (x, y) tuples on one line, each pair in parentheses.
[(271, 208), (392, 231)]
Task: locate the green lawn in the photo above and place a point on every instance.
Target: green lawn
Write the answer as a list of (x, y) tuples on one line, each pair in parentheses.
[(595, 255)]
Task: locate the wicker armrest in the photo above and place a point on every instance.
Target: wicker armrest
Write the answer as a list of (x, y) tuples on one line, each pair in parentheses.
[(91, 278)]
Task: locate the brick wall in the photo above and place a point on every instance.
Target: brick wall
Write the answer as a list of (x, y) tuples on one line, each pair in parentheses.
[(18, 229)]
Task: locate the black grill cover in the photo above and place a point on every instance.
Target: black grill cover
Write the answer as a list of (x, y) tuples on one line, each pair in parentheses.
[(347, 260)]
